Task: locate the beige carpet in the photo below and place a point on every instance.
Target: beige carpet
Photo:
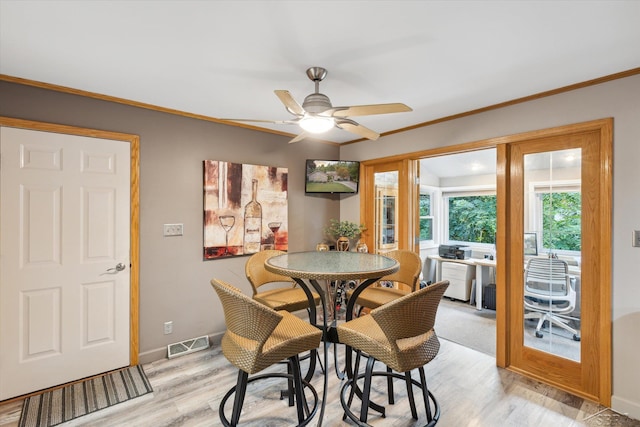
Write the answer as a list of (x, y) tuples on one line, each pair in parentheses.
[(461, 323)]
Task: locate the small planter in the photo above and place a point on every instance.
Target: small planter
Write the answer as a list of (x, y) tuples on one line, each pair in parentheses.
[(342, 244), (346, 234)]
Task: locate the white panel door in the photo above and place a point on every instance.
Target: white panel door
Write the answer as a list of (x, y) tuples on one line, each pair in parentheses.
[(64, 258)]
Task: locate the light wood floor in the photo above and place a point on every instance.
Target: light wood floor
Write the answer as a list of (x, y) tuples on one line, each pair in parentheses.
[(471, 390)]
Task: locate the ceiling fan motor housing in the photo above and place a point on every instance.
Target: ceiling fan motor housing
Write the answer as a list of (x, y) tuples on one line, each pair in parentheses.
[(316, 103)]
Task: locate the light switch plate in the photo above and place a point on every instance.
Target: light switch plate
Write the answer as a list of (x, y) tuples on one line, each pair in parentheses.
[(636, 238), (172, 230)]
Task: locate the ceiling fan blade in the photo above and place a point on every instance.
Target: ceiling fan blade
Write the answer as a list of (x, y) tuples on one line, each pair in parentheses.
[(300, 137), (358, 129), (368, 110), (292, 105)]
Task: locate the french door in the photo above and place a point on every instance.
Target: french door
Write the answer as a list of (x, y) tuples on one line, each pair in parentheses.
[(557, 320), (389, 197), (546, 209)]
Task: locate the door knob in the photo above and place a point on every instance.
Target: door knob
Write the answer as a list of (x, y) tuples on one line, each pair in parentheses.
[(119, 267)]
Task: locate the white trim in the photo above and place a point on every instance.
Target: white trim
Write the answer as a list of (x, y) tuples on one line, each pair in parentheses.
[(625, 407), (476, 190), (559, 186)]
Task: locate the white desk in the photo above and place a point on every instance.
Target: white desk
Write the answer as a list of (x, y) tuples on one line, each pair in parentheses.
[(480, 264), (477, 262)]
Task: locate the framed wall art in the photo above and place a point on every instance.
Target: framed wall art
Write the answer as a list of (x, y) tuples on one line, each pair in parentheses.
[(245, 209)]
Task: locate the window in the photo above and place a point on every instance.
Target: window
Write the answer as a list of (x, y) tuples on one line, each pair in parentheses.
[(426, 218), (561, 220), (471, 218), (557, 216)]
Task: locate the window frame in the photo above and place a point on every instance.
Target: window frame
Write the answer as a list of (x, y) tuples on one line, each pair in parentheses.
[(435, 195), (426, 190)]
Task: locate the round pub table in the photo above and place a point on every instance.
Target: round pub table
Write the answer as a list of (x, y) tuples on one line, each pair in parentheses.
[(306, 268)]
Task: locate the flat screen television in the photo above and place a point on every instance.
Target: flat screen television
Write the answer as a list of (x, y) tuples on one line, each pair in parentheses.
[(332, 176)]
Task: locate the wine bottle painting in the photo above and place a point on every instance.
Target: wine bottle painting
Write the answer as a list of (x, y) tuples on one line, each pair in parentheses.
[(245, 209)]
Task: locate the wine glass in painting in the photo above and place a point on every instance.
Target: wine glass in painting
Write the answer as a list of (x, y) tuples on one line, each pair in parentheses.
[(274, 227), (227, 222)]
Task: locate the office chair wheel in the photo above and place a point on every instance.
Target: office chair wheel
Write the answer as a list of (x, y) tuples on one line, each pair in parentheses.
[(539, 334), (576, 337)]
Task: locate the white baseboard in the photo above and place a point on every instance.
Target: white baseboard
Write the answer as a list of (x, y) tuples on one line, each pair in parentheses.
[(626, 407)]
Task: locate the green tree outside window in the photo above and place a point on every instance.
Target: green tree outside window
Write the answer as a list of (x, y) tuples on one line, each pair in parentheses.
[(561, 221), (472, 219)]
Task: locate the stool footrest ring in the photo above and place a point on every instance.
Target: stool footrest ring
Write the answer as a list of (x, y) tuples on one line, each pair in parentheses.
[(305, 383), (349, 383)]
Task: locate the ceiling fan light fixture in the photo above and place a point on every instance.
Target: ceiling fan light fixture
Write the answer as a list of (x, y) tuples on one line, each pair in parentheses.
[(316, 114), (316, 124)]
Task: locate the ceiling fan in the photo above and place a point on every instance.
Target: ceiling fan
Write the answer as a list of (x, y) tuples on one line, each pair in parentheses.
[(317, 115)]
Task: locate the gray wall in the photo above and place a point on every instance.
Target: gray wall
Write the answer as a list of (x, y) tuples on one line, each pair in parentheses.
[(174, 279), (619, 99)]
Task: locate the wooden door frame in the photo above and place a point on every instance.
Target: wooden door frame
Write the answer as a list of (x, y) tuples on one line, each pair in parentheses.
[(503, 244), (134, 189), (591, 377), (407, 199)]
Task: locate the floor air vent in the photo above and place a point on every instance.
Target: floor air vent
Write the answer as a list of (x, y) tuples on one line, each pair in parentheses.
[(188, 346)]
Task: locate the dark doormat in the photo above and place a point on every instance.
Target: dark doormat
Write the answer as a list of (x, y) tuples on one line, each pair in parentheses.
[(54, 407)]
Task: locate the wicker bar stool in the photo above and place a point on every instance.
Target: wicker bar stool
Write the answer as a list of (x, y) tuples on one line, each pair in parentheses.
[(258, 337), (289, 297), (399, 334), (410, 267), (286, 296), (376, 295)]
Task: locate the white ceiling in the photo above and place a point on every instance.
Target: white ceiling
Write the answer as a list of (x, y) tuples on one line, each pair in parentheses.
[(481, 162), (225, 58)]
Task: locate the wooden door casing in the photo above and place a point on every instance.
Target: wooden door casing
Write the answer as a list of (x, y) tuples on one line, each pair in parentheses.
[(98, 198), (591, 376)]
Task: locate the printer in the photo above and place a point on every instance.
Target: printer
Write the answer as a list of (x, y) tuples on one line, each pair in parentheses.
[(454, 251)]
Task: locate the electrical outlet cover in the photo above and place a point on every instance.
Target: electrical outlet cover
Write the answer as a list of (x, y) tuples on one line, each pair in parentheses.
[(168, 327)]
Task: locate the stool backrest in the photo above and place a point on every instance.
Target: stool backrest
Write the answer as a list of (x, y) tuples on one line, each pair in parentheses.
[(412, 315), (410, 268), (258, 275), (245, 318)]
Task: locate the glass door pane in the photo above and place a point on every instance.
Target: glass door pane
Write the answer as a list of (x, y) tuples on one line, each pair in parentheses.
[(552, 252), (386, 211)]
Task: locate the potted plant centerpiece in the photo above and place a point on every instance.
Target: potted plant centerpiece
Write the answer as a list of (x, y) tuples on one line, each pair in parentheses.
[(344, 232)]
